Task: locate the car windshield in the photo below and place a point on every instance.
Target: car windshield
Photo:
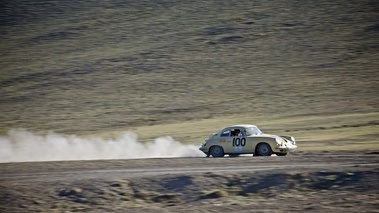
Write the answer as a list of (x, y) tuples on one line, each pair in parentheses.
[(253, 131)]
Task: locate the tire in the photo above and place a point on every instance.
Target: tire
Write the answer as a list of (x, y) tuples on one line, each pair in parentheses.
[(263, 149), (217, 152), (281, 154)]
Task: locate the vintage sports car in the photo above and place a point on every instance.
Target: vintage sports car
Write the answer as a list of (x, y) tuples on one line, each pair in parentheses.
[(246, 139)]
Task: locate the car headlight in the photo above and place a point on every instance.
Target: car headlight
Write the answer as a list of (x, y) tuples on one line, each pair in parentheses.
[(293, 140), (280, 141)]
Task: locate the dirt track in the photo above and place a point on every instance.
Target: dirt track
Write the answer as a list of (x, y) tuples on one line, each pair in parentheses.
[(315, 183)]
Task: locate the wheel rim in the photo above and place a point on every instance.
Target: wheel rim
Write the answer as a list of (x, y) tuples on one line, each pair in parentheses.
[(217, 151), (263, 150)]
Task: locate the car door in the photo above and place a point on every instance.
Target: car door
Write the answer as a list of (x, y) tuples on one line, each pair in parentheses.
[(225, 140), (237, 143)]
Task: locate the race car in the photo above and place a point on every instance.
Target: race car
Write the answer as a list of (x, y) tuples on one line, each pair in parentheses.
[(246, 139)]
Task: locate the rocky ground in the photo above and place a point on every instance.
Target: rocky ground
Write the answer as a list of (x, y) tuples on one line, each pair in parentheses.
[(298, 183)]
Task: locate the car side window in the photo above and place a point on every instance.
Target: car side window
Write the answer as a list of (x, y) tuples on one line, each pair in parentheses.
[(243, 132), (225, 133), (238, 133)]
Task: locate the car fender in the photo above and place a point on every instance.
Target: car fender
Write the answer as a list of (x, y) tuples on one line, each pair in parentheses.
[(269, 139), (288, 138)]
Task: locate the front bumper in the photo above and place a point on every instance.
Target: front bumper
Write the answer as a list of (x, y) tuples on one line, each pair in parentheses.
[(288, 147), (203, 148)]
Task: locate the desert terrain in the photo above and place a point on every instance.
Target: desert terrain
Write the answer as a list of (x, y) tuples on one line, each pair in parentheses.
[(76, 75), (298, 183)]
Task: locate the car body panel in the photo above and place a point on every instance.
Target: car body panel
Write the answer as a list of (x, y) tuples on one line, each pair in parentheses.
[(247, 140)]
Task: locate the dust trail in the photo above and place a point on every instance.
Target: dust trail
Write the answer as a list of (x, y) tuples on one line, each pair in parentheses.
[(22, 145)]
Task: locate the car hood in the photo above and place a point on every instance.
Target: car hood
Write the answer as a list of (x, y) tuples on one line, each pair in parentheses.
[(265, 136)]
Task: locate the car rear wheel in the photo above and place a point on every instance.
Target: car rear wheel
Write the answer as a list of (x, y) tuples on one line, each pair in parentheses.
[(264, 149), (217, 152)]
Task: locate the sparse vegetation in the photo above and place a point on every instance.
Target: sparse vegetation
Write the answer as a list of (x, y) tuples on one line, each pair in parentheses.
[(186, 68), (308, 190), (104, 67)]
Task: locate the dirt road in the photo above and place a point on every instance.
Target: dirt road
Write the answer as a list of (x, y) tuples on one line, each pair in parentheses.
[(81, 170), (323, 182)]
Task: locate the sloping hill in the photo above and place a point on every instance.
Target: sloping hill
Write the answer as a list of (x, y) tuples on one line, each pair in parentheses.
[(79, 67)]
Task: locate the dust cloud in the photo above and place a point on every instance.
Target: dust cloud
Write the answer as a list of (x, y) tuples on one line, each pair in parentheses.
[(22, 146)]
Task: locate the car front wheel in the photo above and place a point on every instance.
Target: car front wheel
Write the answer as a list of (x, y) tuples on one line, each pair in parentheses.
[(264, 149), (217, 152)]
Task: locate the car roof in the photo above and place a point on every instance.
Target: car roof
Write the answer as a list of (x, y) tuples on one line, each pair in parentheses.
[(242, 126)]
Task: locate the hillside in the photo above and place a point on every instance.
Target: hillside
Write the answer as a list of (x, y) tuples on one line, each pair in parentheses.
[(97, 66)]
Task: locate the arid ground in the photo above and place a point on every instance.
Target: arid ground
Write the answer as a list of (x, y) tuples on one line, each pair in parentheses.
[(185, 69), (98, 67), (312, 183)]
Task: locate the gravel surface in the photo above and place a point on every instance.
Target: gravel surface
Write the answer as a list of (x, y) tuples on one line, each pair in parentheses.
[(300, 182)]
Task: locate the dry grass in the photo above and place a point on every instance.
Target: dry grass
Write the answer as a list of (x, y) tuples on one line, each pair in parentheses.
[(186, 69), (313, 133)]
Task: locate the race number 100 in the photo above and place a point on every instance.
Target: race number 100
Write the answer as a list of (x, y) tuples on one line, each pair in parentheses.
[(239, 141)]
